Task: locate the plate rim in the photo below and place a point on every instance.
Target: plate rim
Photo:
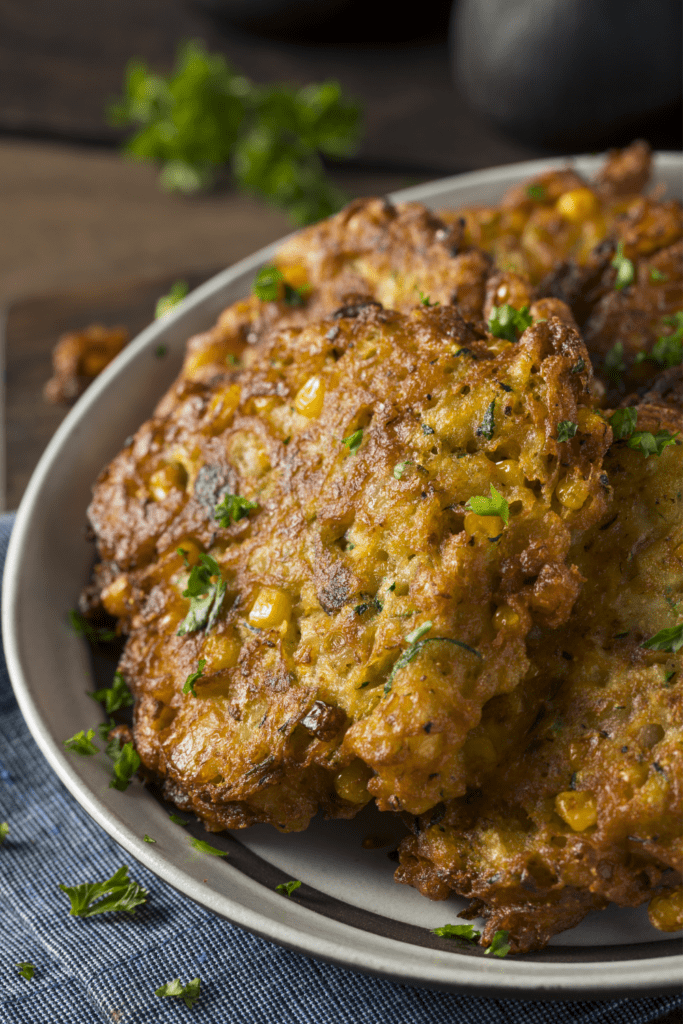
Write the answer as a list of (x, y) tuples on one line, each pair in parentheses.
[(291, 925)]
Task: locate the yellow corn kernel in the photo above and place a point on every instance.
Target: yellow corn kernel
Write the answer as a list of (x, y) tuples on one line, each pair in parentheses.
[(163, 718), (220, 652), (498, 345), (510, 471), (589, 422), (577, 205), (222, 408), (578, 809), (271, 607), (666, 912), (296, 275), (214, 352), (264, 404), (480, 752), (309, 398), (572, 493), (489, 526), (505, 616), (116, 598), (170, 477), (351, 783)]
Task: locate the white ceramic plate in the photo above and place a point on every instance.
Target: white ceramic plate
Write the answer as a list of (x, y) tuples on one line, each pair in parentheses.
[(349, 910)]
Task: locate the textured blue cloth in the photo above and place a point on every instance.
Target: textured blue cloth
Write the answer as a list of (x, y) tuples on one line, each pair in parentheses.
[(106, 968)]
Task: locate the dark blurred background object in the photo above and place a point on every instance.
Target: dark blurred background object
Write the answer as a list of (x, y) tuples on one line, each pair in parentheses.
[(573, 74)]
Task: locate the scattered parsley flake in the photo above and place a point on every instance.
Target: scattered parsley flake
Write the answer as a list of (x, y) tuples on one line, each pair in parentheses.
[(614, 361), (125, 766), (204, 847), (177, 820), (287, 888), (205, 597), (160, 351), (118, 893), (82, 627), (657, 275), (414, 639), (651, 444), (669, 640), (425, 300), (624, 267), (115, 697), (193, 677), (566, 430), (668, 676), (623, 422), (148, 839), (4, 831), (26, 969), (668, 349), (507, 322), (188, 993), (579, 366), (166, 303), (354, 441), (495, 505), (536, 191), (82, 744), (487, 427), (400, 468), (462, 932), (499, 944), (232, 508), (104, 728), (270, 285)]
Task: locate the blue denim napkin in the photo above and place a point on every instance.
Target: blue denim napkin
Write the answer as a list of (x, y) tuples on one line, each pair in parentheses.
[(106, 968)]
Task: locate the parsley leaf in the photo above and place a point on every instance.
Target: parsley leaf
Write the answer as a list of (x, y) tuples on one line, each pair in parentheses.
[(82, 627), (566, 430), (166, 303), (624, 267), (354, 441), (414, 639), (487, 427), (82, 744), (462, 932), (114, 697), (499, 944), (205, 597), (232, 508), (507, 322), (177, 820), (4, 831), (193, 677), (118, 893), (668, 349), (425, 300), (623, 422), (188, 993), (160, 351), (579, 365), (669, 640), (657, 275), (651, 444), (287, 888), (400, 468), (495, 505), (270, 285), (614, 361), (125, 766), (204, 847), (148, 839), (536, 191), (26, 969)]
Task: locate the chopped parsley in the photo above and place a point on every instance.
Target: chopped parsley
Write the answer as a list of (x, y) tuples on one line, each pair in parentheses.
[(623, 422), (614, 361), (414, 639), (579, 366), (82, 744), (507, 322), (160, 351), (657, 275), (287, 888), (624, 268), (536, 191), (499, 943), (462, 932), (400, 468), (487, 427), (495, 505), (668, 349), (232, 508), (205, 597), (669, 640), (4, 831), (114, 697), (193, 677), (96, 635), (269, 285), (188, 993), (204, 847), (118, 893), (125, 766), (148, 839), (177, 820), (354, 441), (651, 444), (166, 303), (566, 430), (26, 969), (425, 300)]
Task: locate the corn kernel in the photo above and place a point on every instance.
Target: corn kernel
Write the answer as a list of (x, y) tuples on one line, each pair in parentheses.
[(170, 477), (309, 398), (480, 752), (220, 652), (578, 809), (116, 596), (511, 472), (271, 607), (296, 275), (498, 345), (222, 408), (263, 404), (666, 912), (572, 493), (577, 205), (589, 422), (194, 361), (505, 616), (489, 526), (351, 783)]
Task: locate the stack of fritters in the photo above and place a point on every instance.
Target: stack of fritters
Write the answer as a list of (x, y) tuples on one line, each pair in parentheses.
[(321, 611)]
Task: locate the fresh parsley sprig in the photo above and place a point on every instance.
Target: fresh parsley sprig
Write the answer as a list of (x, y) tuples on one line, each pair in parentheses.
[(126, 764), (465, 933), (95, 634), (416, 643), (193, 677), (26, 969), (499, 944), (287, 888), (669, 640), (118, 893), (206, 597), (614, 362), (167, 302), (204, 847), (495, 505), (400, 468), (4, 831), (232, 508), (536, 191), (623, 422), (353, 441), (114, 697), (507, 322), (188, 993), (270, 286), (668, 349), (566, 430), (81, 743), (624, 268)]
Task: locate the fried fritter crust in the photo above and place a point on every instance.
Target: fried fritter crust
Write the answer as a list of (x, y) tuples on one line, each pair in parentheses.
[(586, 804), (351, 550), (79, 357)]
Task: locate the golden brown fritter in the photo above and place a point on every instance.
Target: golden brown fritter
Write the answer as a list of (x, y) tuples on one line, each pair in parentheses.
[(585, 803), (79, 357), (368, 615)]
